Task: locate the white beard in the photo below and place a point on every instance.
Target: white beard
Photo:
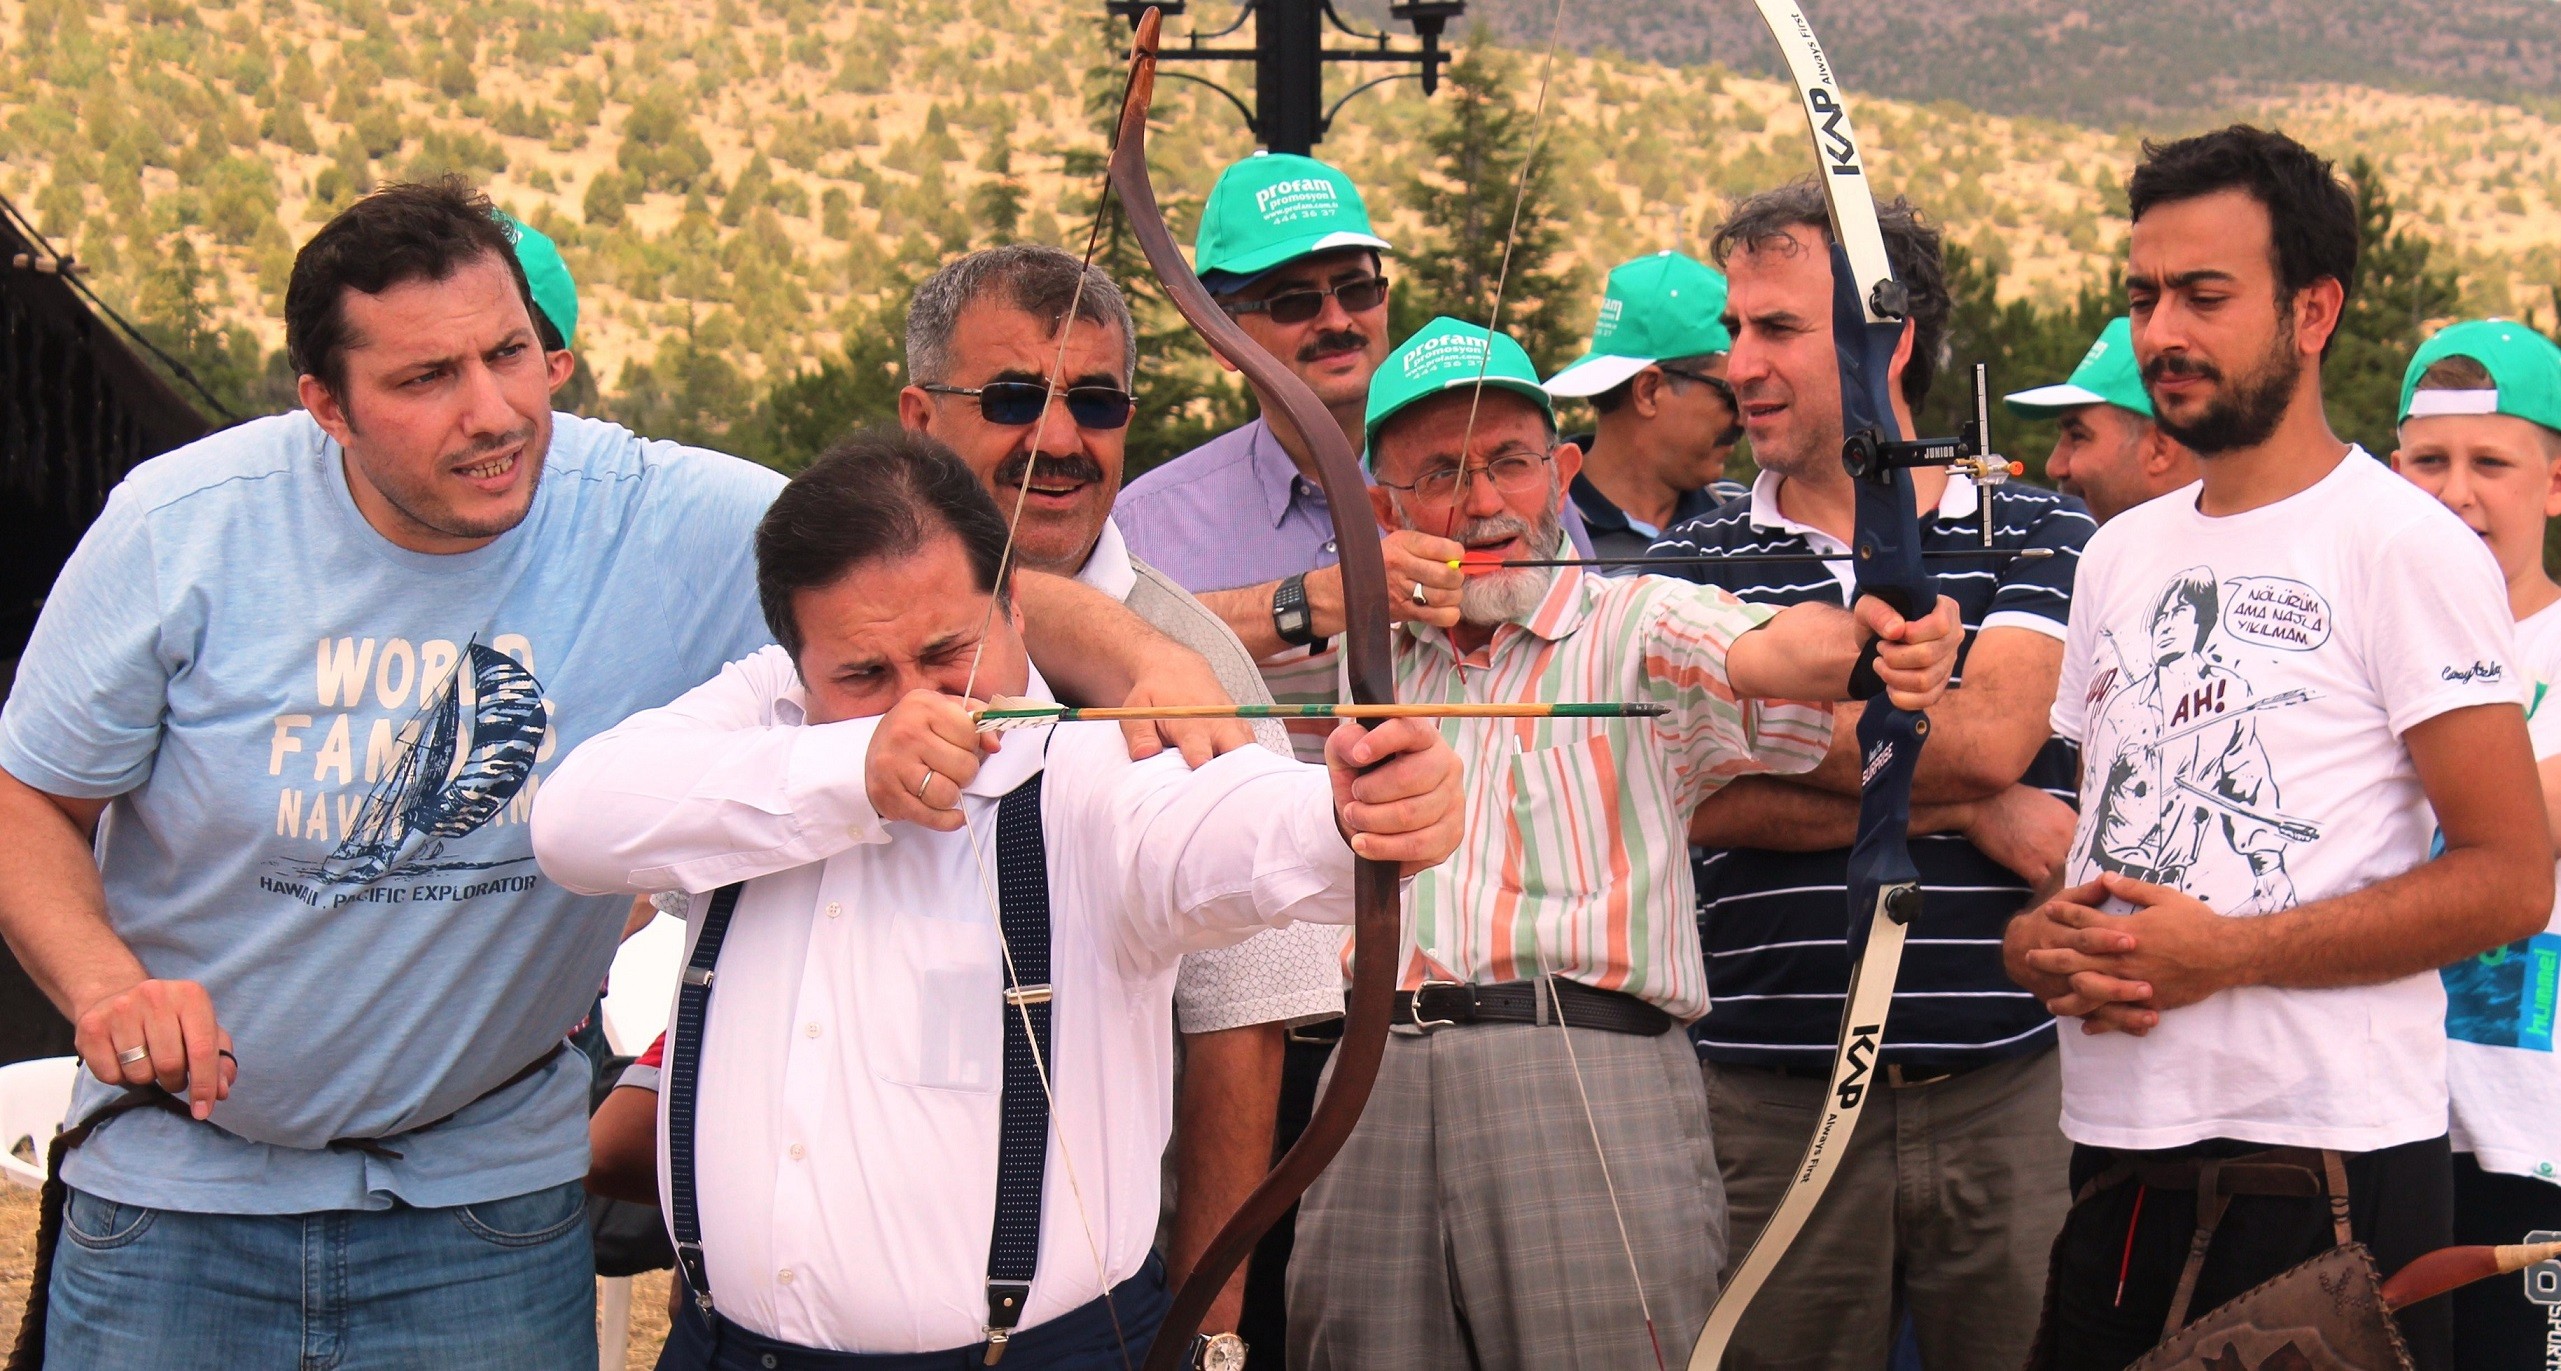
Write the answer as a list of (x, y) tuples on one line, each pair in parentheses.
[(1503, 597)]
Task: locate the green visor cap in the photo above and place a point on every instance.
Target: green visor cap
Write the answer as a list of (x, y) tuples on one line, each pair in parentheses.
[(2107, 375), (1446, 355), (1658, 308), (1276, 207), (2524, 367), (554, 293)]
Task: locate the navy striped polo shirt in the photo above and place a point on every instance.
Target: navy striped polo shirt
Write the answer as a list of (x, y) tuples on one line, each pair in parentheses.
[(1775, 924)]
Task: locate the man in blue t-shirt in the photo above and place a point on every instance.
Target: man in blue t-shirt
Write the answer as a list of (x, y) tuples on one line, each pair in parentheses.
[(264, 781), (1953, 1184)]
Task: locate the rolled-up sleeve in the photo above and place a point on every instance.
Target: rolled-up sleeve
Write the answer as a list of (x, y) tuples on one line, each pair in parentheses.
[(707, 790), (1715, 735)]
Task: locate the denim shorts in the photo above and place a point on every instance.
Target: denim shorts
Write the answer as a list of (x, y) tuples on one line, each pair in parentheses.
[(506, 1285)]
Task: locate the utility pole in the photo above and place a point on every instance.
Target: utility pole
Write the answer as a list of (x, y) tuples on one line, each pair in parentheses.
[(1289, 113)]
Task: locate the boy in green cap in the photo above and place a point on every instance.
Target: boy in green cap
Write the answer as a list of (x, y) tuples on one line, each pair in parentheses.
[(1667, 421), (1538, 1102), (2107, 450), (2481, 431)]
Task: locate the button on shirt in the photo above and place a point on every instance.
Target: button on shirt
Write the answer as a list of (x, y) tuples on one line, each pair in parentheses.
[(852, 1067), (1775, 923), (1577, 854)]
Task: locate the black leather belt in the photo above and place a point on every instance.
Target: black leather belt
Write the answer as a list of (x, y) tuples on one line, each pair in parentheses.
[(1449, 1004), (1897, 1075)]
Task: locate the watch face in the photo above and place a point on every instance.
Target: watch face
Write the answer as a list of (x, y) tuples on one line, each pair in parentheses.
[(1222, 1352)]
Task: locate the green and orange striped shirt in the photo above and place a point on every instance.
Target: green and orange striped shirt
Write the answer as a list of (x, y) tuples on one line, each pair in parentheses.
[(1577, 855)]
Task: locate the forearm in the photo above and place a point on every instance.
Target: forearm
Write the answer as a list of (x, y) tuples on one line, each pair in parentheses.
[(1984, 734), (53, 909), (2435, 914), (1804, 652), (1788, 816), (1248, 611), (1090, 647), (1224, 1116), (622, 1146)]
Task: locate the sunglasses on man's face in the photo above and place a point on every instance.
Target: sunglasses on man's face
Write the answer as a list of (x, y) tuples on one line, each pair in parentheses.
[(1019, 404), (1299, 306)]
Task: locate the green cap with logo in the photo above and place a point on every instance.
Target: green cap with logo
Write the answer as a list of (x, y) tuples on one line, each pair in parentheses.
[(554, 293), (2107, 375), (1445, 355), (1273, 208), (1660, 307), (2524, 367)]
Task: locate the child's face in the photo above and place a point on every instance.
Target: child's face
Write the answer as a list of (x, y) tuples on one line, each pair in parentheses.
[(2494, 470)]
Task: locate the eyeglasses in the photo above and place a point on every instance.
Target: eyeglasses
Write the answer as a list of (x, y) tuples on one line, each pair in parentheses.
[(1514, 473), (1299, 306), (1715, 383), (1019, 404)]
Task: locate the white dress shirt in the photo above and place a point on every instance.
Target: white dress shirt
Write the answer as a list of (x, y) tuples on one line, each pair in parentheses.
[(853, 1057)]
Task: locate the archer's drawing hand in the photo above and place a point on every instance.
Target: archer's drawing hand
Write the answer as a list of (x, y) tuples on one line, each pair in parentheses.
[(1917, 655), (1397, 794), (924, 753), (1419, 559), (188, 1051)]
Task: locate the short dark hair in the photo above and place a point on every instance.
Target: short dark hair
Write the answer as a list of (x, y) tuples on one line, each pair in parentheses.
[(1609, 401), (884, 492), (2312, 217), (1911, 247), (406, 231)]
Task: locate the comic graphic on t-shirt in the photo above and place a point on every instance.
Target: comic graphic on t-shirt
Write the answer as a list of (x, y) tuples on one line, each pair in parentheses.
[(2186, 793), (464, 756)]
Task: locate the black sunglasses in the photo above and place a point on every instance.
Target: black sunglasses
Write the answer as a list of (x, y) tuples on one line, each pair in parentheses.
[(1715, 383), (1299, 306), (1019, 404)]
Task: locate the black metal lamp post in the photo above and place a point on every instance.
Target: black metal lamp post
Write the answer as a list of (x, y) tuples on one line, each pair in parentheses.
[(1289, 57)]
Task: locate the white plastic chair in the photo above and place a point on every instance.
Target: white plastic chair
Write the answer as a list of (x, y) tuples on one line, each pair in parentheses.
[(34, 1096)]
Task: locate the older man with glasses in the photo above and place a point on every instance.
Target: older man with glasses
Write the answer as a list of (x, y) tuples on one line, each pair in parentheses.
[(983, 337), (1533, 1180)]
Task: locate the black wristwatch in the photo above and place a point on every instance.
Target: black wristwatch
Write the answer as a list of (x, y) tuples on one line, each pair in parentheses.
[(1290, 617)]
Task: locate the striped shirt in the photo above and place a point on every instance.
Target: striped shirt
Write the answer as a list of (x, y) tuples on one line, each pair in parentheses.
[(1775, 923), (1576, 861)]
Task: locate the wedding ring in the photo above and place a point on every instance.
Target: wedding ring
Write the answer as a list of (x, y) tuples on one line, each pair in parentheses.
[(131, 1055), (923, 785)]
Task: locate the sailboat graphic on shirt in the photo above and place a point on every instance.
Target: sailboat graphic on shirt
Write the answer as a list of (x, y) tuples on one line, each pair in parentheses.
[(461, 757)]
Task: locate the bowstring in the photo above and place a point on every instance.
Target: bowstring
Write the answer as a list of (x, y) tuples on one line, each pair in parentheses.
[(1644, 1306)]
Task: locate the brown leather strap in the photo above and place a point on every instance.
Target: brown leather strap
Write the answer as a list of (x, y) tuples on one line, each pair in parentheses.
[(2291, 1172)]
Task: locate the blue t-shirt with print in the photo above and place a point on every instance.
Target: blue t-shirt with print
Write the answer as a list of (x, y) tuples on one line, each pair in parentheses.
[(324, 749)]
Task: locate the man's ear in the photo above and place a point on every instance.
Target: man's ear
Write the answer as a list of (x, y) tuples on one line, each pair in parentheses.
[(1902, 357), (1383, 502), (1645, 392), (559, 367), (2395, 460), (1569, 463), (2317, 309), (323, 405), (916, 409)]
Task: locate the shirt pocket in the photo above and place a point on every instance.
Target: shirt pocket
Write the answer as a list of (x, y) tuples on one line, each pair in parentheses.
[(936, 997), (1563, 820)]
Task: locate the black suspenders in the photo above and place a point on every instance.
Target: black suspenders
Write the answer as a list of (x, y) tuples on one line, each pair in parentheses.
[(1022, 1150)]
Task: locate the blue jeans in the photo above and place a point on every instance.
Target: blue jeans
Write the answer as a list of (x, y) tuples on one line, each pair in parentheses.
[(508, 1285)]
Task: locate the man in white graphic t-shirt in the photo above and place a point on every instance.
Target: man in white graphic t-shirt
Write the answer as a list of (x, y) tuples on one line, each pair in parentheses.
[(2480, 429), (2275, 676)]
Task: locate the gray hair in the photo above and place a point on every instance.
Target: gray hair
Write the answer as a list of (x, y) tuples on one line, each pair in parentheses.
[(1035, 278)]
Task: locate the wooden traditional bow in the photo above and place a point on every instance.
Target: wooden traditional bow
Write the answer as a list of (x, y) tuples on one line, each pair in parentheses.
[(1367, 653)]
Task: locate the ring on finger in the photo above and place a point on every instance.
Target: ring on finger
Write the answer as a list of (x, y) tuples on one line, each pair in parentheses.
[(132, 1055), (1419, 597)]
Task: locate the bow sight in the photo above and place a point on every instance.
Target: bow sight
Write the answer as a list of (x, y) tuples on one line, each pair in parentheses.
[(1873, 459)]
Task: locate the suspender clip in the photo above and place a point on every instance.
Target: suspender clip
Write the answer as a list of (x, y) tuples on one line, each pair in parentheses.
[(689, 1259), (1017, 996), (698, 975), (1005, 1301)]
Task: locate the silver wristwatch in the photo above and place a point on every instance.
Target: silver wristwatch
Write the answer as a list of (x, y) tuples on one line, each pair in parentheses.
[(1218, 1352)]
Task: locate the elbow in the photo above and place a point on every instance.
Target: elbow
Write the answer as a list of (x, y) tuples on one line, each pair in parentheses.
[(2531, 908), (568, 855)]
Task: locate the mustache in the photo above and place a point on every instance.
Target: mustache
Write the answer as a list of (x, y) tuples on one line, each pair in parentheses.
[(1074, 466), (2182, 365), (488, 447), (1327, 344), (1491, 528)]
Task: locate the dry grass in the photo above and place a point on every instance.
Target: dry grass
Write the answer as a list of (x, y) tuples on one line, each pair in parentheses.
[(18, 1253)]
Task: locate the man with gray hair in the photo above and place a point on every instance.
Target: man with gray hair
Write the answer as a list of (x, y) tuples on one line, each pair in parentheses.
[(983, 342)]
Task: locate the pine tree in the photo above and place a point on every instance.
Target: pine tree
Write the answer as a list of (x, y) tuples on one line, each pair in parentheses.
[(1480, 135), (2404, 288)]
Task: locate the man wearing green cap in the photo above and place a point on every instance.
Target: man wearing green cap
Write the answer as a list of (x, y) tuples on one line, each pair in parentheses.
[(1655, 377), (1533, 1184), (2481, 431), (2107, 450)]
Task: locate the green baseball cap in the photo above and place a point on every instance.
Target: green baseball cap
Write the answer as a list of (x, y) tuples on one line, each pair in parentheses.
[(554, 293), (1445, 355), (1276, 207), (2524, 367), (1661, 306), (2107, 375)]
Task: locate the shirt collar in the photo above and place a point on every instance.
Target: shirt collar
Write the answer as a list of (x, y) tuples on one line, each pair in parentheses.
[(1276, 474), (1600, 515), (1107, 568), (1959, 501), (1013, 764)]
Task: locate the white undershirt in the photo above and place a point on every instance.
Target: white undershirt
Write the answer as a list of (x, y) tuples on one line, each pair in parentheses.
[(852, 1064)]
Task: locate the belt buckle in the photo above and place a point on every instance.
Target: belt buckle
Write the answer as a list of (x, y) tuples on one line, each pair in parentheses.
[(1428, 986)]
